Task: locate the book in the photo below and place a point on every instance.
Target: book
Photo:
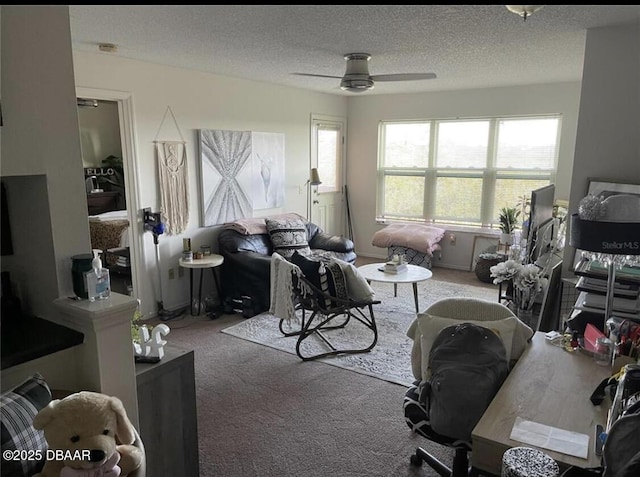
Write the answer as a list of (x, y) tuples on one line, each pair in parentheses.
[(395, 268)]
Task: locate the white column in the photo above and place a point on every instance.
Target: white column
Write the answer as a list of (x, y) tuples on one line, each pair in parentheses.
[(106, 363)]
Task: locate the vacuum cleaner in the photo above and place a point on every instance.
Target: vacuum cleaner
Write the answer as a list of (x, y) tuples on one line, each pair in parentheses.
[(153, 223)]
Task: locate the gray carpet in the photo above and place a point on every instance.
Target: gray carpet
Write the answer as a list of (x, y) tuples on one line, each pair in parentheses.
[(264, 412), (390, 357)]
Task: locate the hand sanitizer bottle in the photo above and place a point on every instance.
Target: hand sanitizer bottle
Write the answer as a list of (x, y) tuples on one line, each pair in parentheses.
[(98, 281)]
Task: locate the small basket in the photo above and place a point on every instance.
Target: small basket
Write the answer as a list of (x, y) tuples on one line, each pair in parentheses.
[(483, 268)]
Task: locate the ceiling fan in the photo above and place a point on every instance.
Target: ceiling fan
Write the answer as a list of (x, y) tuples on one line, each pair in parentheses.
[(357, 78)]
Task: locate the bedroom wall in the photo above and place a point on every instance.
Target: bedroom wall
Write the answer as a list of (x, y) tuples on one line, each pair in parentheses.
[(99, 133), (365, 113), (200, 101)]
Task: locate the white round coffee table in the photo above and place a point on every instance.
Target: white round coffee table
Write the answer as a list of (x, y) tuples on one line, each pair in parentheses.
[(414, 274)]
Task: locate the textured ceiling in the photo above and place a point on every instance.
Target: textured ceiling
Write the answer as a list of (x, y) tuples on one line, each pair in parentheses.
[(467, 46)]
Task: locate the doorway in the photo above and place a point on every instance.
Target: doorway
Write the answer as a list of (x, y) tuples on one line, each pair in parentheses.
[(105, 123), (327, 155)]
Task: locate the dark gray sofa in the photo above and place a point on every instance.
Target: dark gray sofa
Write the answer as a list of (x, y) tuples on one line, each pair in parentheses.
[(245, 273)]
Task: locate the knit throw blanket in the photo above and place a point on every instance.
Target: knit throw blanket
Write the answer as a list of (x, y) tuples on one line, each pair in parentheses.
[(282, 303), (422, 238)]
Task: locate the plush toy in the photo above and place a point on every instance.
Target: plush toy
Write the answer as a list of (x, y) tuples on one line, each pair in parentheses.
[(88, 435)]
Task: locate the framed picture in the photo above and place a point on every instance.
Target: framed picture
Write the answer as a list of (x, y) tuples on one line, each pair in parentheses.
[(241, 171), (483, 244), (606, 188)]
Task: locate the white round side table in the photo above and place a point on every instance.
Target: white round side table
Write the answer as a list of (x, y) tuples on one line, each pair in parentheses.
[(208, 261)]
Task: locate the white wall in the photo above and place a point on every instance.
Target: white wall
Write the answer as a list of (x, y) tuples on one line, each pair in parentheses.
[(608, 134), (40, 138), (200, 101), (365, 113), (99, 133)]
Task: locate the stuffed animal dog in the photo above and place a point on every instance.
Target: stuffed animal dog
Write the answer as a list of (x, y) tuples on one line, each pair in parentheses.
[(89, 435)]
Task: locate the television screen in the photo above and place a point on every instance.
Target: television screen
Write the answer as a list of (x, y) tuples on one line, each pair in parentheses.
[(5, 226), (541, 210), (541, 222)]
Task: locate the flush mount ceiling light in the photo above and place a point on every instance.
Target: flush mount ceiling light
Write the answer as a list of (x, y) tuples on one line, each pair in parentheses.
[(108, 47), (525, 11)]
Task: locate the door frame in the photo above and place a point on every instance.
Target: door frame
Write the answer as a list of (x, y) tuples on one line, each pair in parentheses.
[(132, 197), (313, 159)]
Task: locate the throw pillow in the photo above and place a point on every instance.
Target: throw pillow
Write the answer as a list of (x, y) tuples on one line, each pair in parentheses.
[(358, 287), (18, 407), (288, 236), (337, 281), (311, 269), (430, 326), (326, 275)]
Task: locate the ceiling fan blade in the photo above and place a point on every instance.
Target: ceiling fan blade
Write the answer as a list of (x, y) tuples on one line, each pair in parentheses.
[(404, 77), (317, 76)]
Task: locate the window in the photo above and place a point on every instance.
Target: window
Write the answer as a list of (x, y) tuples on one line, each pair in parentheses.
[(329, 144), (463, 171)]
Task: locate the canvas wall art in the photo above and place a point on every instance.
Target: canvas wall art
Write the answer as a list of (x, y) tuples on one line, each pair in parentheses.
[(226, 175), (241, 171), (267, 151)]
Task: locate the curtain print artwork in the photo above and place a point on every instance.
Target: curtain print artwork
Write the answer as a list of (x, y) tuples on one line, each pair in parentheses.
[(241, 171), (226, 169)]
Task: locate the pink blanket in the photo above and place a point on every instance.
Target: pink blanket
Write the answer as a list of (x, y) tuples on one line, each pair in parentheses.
[(252, 226), (423, 238)]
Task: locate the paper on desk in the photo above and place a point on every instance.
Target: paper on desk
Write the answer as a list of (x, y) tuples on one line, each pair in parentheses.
[(552, 438)]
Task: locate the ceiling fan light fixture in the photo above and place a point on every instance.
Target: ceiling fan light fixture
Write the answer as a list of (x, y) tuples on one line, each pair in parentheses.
[(525, 11), (356, 85), (357, 79)]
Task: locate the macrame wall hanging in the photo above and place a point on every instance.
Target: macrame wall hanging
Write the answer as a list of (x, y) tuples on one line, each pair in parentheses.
[(173, 180)]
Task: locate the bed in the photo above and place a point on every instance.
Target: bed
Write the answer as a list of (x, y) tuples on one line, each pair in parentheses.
[(110, 230)]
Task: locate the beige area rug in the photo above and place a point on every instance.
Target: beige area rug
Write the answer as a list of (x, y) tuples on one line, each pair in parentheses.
[(390, 359)]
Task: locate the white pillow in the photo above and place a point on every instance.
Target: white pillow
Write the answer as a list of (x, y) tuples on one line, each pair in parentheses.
[(358, 287), (430, 326)]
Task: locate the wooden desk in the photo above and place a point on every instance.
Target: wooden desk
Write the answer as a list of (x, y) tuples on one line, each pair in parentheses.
[(550, 386)]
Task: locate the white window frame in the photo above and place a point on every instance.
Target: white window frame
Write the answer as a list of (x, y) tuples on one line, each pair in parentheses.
[(489, 174)]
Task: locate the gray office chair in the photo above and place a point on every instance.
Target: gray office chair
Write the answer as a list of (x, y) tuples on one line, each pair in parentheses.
[(415, 408)]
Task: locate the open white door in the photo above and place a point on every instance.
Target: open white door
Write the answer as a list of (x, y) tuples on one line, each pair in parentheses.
[(327, 155), (126, 123)]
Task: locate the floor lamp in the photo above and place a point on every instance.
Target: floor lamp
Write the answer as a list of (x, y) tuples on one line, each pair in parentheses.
[(314, 180), (611, 243)]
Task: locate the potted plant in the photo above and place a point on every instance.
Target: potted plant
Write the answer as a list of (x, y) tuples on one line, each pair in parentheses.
[(508, 220)]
